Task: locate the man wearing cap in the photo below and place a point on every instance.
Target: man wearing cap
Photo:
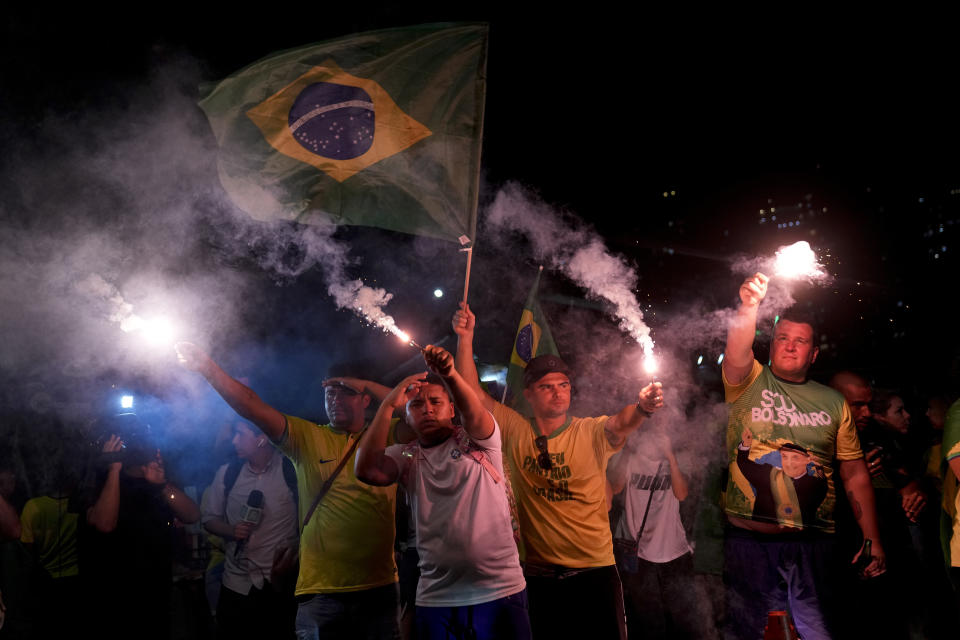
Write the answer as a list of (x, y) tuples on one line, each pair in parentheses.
[(347, 583), (777, 555), (557, 463)]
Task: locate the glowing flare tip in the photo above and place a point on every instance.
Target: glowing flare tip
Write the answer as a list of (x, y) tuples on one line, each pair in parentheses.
[(796, 260), (650, 364)]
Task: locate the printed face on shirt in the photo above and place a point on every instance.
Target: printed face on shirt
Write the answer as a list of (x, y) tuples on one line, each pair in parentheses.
[(430, 412), (896, 416), (794, 463), (345, 407), (245, 440), (792, 350), (549, 397)]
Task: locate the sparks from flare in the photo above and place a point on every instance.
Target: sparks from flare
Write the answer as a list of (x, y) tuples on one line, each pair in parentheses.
[(388, 325)]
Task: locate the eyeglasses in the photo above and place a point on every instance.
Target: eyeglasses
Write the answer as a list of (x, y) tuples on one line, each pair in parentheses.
[(543, 459)]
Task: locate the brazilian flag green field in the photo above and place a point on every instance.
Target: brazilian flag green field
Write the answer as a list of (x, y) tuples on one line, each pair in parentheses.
[(379, 129)]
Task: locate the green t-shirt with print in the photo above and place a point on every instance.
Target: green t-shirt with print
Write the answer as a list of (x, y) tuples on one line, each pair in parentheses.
[(782, 438)]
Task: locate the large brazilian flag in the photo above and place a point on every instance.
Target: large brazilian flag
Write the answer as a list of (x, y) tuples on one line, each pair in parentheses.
[(533, 339), (379, 129)]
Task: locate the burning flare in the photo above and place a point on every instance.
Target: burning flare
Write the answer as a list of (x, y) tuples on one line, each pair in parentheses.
[(157, 332), (650, 363), (797, 261)]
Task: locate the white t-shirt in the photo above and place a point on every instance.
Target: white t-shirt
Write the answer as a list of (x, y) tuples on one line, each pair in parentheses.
[(663, 537), (278, 523), (462, 518)]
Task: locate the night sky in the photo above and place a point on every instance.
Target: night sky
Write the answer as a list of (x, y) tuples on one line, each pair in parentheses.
[(668, 133)]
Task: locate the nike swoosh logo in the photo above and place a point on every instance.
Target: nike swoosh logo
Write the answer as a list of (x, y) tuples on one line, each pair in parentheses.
[(322, 461)]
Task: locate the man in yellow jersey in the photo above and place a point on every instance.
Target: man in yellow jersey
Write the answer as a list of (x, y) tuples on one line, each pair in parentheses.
[(347, 584), (557, 463), (779, 545)]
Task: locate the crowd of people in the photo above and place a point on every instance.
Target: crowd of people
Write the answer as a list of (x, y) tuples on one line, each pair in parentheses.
[(833, 507)]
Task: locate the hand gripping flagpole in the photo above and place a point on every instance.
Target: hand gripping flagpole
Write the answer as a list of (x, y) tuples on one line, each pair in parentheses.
[(468, 249)]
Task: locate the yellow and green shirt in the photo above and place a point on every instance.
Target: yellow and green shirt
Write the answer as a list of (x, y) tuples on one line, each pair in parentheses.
[(563, 511), (52, 530), (778, 412), (348, 543)]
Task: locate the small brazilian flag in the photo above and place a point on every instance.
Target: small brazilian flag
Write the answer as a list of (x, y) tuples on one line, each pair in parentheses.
[(533, 339), (379, 129)]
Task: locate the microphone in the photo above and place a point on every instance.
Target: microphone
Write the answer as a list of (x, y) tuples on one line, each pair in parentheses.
[(252, 512)]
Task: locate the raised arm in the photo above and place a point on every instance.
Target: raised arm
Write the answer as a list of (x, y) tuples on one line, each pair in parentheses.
[(372, 465), (105, 511), (632, 416), (402, 432), (738, 355), (856, 481), (375, 389), (240, 397), (464, 323), (677, 480), (477, 421)]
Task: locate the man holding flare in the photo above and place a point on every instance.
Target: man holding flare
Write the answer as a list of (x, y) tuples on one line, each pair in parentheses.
[(347, 583), (470, 576), (557, 465), (779, 556)]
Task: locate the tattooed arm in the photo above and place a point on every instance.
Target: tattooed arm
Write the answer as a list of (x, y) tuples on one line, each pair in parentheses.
[(856, 481)]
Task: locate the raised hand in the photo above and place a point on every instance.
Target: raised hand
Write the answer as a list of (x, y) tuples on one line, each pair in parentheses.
[(651, 397), (464, 321), (112, 445), (438, 360), (754, 289), (406, 390), (192, 357)]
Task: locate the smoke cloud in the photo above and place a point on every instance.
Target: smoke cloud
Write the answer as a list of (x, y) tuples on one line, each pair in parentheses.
[(577, 251)]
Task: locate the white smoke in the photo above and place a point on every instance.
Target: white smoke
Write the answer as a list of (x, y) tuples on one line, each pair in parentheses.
[(577, 251)]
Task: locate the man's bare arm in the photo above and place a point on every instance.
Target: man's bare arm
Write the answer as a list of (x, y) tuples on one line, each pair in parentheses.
[(738, 355), (629, 418), (241, 398), (856, 481), (372, 465), (955, 466), (183, 506), (375, 389), (677, 480), (105, 511), (477, 421), (464, 323)]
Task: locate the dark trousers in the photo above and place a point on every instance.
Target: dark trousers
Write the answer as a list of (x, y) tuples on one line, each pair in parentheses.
[(792, 572), (262, 613), (584, 604), (502, 619), (661, 601)]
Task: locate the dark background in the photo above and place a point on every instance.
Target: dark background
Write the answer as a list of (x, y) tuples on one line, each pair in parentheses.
[(667, 132)]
